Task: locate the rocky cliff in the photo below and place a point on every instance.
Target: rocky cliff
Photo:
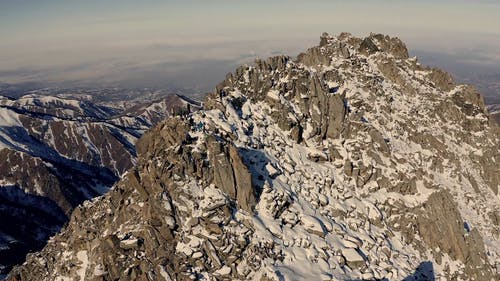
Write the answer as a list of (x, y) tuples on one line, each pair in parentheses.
[(350, 162)]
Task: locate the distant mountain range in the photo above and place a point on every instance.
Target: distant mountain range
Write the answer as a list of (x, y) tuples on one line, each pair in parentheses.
[(494, 110), (63, 147)]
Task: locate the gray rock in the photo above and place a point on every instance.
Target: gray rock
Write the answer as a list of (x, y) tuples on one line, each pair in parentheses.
[(441, 79), (243, 179), (231, 174), (393, 45), (367, 47), (222, 167)]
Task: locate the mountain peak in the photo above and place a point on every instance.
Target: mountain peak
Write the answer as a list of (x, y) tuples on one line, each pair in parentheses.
[(351, 161)]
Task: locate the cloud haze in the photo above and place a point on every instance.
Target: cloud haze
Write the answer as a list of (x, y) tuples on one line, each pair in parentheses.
[(157, 43)]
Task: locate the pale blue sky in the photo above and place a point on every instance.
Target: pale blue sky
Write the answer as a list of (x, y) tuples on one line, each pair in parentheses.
[(109, 40)]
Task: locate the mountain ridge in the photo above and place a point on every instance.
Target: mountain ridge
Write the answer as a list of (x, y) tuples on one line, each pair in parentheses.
[(351, 162)]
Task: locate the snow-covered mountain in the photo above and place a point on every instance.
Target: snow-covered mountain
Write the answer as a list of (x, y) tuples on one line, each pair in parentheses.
[(57, 152), (350, 162), (494, 110)]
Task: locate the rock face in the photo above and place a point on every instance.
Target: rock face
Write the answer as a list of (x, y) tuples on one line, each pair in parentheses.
[(230, 173), (441, 225), (57, 152), (351, 162)]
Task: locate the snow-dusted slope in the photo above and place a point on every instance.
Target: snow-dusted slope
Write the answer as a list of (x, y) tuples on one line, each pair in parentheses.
[(352, 162), (144, 115), (56, 106)]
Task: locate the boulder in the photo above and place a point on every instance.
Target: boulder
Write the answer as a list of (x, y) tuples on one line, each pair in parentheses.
[(352, 258)]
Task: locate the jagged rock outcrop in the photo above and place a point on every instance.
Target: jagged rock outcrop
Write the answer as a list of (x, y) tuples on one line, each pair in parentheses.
[(440, 224), (231, 174), (352, 161)]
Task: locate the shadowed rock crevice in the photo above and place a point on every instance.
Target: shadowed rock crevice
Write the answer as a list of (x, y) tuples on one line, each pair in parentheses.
[(424, 272), (27, 222)]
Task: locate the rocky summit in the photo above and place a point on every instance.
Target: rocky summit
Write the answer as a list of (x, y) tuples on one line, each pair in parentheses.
[(350, 162)]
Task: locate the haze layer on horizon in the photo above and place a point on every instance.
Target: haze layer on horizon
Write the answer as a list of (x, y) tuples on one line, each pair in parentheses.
[(194, 43)]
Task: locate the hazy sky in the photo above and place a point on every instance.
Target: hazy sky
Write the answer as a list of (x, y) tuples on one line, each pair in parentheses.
[(162, 42)]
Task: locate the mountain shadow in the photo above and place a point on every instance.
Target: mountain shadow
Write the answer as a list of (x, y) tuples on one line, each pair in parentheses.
[(424, 272)]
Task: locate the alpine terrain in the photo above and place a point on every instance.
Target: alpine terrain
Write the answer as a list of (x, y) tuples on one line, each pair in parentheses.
[(57, 152), (350, 162)]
